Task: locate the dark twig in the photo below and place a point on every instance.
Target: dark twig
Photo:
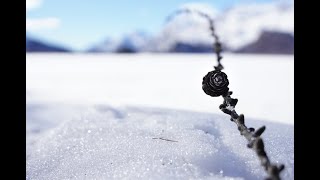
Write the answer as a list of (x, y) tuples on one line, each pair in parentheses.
[(217, 45), (165, 139), (253, 136), (215, 83)]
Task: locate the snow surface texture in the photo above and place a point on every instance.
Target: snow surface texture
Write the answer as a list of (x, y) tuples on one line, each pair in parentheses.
[(263, 84), (128, 143)]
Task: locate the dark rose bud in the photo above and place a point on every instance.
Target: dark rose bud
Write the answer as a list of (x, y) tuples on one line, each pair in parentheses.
[(215, 83)]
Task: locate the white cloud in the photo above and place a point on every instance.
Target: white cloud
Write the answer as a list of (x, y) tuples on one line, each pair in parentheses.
[(34, 24), (42, 23), (32, 4)]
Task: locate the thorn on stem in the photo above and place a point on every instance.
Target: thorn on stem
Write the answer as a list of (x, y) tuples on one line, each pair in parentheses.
[(259, 131), (281, 167), (233, 102), (222, 106)]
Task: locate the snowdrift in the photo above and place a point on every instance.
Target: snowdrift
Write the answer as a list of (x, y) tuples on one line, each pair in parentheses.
[(103, 142)]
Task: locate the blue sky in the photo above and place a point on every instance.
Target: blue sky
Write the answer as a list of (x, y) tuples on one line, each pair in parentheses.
[(79, 24)]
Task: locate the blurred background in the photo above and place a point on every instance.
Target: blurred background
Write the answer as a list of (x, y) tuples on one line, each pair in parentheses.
[(135, 53), (126, 26)]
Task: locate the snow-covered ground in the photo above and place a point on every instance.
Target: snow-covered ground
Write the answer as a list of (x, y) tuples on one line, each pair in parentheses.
[(105, 116), (263, 84)]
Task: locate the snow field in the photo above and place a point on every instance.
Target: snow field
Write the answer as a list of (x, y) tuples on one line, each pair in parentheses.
[(145, 116), (105, 143), (262, 83)]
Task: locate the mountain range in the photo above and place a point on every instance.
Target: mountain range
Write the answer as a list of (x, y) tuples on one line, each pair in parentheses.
[(256, 28), (36, 45)]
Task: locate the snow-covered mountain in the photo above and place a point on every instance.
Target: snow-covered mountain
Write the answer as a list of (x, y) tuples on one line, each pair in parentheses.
[(35, 45), (239, 27), (108, 45), (272, 43), (132, 42), (242, 25)]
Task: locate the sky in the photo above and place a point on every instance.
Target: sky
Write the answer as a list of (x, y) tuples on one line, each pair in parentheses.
[(80, 24)]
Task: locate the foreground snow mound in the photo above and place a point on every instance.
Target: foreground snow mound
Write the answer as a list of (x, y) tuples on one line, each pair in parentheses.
[(148, 143)]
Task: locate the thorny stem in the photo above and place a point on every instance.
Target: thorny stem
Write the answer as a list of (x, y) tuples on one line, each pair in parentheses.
[(255, 142)]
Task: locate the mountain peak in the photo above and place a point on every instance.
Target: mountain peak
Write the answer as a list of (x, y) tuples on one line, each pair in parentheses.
[(36, 45)]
